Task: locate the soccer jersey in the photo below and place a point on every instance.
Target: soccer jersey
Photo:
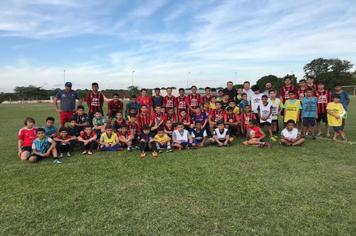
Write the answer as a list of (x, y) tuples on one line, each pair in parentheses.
[(145, 100), (144, 119), (290, 134), (277, 105), (95, 101), (43, 145), (199, 117), (172, 117), (245, 119), (157, 101), (98, 122), (27, 136), (194, 100), (50, 130), (291, 110), (284, 92), (309, 107), (183, 137), (115, 107), (124, 135), (169, 102), (158, 118), (265, 111), (255, 102), (86, 136), (67, 100), (221, 134), (134, 127), (146, 137), (184, 119), (323, 100), (118, 124), (182, 103), (205, 99), (255, 132), (243, 104), (199, 135), (132, 108), (301, 93), (231, 118), (112, 139), (217, 115), (162, 138), (81, 119), (335, 109)]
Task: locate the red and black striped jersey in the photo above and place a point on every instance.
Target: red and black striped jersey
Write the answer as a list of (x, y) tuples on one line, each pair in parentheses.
[(284, 92), (301, 93), (205, 99), (134, 127), (324, 98), (184, 119), (245, 119), (217, 115), (144, 119), (169, 101), (182, 103), (231, 118), (172, 117), (194, 100)]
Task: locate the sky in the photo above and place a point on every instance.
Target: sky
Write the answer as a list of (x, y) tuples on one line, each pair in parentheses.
[(159, 43)]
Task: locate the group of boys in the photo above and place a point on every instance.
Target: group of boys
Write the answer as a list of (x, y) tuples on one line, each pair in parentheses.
[(162, 123)]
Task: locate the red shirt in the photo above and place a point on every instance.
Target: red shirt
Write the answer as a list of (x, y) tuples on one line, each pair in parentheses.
[(145, 100), (182, 103), (217, 115), (194, 100), (169, 101), (245, 119), (144, 119), (95, 101), (231, 118), (27, 136), (115, 106), (126, 135), (205, 99), (184, 119), (255, 132), (158, 118), (134, 127), (324, 98), (173, 118), (301, 93), (284, 92), (58, 136), (87, 136)]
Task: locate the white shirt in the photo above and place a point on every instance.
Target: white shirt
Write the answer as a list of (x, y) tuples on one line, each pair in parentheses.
[(221, 135), (275, 107), (264, 111), (293, 134), (184, 137), (255, 101), (249, 93)]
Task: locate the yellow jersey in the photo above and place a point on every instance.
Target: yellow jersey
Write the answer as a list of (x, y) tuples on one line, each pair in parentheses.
[(335, 109), (109, 140), (162, 138), (291, 110)]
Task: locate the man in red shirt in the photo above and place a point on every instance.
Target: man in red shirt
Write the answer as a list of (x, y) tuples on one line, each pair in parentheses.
[(144, 99), (323, 97), (182, 101), (169, 100), (95, 101), (194, 99), (114, 106), (25, 138), (286, 88)]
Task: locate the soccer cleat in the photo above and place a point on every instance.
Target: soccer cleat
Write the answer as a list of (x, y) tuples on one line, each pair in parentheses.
[(169, 149), (85, 152), (160, 151), (57, 161), (143, 155), (68, 154), (129, 149), (154, 155), (90, 153)]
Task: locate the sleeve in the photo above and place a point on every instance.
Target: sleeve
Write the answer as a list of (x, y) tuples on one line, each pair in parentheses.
[(228, 132), (192, 134), (77, 96), (33, 146), (59, 94), (20, 135)]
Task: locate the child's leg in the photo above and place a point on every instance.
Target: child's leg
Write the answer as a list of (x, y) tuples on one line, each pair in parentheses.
[(270, 131), (143, 146), (54, 153), (285, 142), (343, 136), (298, 142), (33, 159), (25, 155)]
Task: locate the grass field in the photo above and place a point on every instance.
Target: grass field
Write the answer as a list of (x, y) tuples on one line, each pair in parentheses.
[(309, 190)]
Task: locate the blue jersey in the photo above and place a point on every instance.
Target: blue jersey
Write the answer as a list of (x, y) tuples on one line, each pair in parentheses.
[(309, 107), (50, 130), (344, 99), (43, 145)]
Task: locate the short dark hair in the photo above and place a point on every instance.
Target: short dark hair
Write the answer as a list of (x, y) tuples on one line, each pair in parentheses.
[(80, 107), (302, 80), (198, 122), (206, 88), (247, 82), (272, 90), (193, 87), (253, 121), (336, 96), (255, 88), (181, 89), (108, 127), (87, 126), (290, 122), (40, 130), (94, 83), (146, 127), (29, 119), (337, 85), (291, 92), (157, 89), (161, 128), (51, 118), (115, 94), (243, 94), (63, 129), (143, 89), (264, 96), (220, 122), (133, 96), (230, 109)]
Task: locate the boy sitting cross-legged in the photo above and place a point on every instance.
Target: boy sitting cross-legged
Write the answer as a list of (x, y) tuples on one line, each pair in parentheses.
[(221, 135), (109, 140), (125, 138), (199, 135), (87, 140), (65, 142), (290, 135), (146, 142), (163, 141), (181, 138), (43, 147), (255, 135)]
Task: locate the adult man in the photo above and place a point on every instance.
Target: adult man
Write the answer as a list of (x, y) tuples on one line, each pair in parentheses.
[(68, 98), (95, 101), (268, 87), (230, 90), (247, 89)]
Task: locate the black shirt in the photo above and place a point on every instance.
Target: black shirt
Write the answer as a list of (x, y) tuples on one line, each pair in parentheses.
[(232, 93)]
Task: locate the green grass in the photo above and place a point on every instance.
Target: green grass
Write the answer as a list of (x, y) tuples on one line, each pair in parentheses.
[(309, 190)]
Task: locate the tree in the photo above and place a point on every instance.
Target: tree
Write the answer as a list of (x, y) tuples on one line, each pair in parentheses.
[(133, 90), (276, 82), (330, 71)]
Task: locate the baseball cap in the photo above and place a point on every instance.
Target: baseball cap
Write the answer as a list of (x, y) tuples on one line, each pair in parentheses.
[(68, 84)]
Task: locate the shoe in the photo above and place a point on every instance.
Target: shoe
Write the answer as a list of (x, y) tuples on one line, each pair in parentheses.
[(60, 155), (68, 154), (273, 139), (90, 153), (169, 150), (160, 151), (85, 152), (129, 149), (154, 155), (143, 155), (57, 161)]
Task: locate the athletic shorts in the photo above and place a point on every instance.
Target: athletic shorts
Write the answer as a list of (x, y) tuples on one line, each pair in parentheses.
[(26, 149), (337, 128), (309, 121), (266, 123), (65, 116), (322, 117)]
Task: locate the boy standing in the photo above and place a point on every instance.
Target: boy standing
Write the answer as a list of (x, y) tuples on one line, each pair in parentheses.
[(290, 135), (169, 100), (265, 114), (323, 97), (157, 99), (335, 113), (144, 99), (95, 100), (277, 106), (309, 112), (256, 99)]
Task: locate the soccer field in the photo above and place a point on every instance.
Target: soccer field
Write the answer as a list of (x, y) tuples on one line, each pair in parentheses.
[(309, 190)]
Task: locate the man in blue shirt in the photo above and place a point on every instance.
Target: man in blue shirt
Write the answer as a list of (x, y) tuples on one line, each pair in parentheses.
[(309, 112), (344, 100)]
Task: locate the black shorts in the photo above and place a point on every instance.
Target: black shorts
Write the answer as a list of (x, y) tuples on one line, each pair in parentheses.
[(266, 123), (26, 149), (322, 117), (337, 129), (309, 121)]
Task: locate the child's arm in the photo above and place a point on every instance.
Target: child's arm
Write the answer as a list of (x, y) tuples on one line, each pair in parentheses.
[(19, 145), (227, 138)]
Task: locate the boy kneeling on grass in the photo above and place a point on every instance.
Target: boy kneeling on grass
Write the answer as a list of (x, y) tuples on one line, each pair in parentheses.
[(146, 142), (181, 138), (109, 140), (163, 141), (43, 147), (290, 135), (65, 142), (221, 135), (87, 140), (255, 135)]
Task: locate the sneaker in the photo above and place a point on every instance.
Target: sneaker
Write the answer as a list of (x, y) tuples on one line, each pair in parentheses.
[(68, 154), (154, 155), (60, 155), (273, 139), (143, 155), (90, 153), (160, 151), (85, 152), (169, 150), (129, 149), (57, 161)]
